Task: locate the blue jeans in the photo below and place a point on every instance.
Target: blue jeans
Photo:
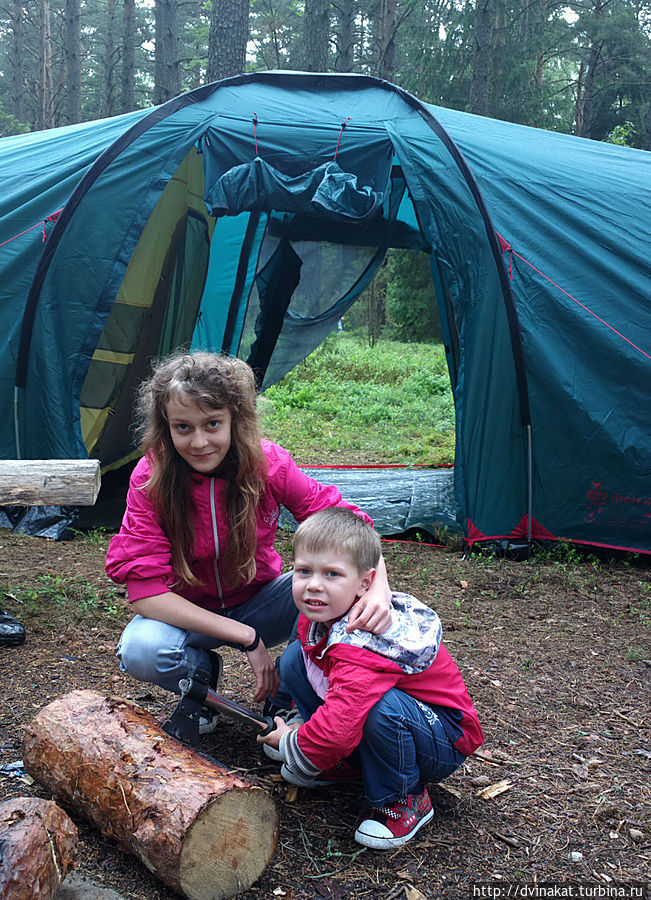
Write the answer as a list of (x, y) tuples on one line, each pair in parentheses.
[(163, 654), (403, 745)]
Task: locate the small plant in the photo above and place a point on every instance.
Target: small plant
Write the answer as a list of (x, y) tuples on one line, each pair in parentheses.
[(74, 596), (96, 537)]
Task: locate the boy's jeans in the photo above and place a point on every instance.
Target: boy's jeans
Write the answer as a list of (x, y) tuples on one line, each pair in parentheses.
[(162, 654), (404, 743)]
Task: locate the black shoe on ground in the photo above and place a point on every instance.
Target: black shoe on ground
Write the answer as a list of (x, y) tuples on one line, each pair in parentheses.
[(12, 632)]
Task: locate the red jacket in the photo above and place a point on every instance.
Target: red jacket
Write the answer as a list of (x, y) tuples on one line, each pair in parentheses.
[(358, 677), (140, 554)]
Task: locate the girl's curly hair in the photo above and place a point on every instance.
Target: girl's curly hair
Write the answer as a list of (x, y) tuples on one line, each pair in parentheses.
[(213, 381)]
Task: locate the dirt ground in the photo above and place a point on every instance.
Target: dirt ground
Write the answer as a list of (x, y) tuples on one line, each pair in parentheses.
[(555, 653)]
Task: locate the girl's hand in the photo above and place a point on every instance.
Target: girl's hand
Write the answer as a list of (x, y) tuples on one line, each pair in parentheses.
[(273, 738), (267, 680), (372, 611)]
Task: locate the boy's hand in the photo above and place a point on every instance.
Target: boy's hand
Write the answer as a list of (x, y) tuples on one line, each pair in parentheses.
[(273, 738)]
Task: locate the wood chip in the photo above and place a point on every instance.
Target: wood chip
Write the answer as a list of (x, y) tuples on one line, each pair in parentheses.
[(412, 893), (493, 790), (450, 790)]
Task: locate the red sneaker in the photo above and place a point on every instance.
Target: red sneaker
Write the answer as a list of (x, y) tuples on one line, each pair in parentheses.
[(393, 825)]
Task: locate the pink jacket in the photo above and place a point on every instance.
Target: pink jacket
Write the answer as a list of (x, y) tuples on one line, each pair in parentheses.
[(140, 555)]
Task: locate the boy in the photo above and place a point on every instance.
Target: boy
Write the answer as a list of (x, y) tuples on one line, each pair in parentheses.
[(397, 697)]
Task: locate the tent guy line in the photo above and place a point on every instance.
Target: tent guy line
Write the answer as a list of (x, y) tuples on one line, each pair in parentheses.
[(578, 302)]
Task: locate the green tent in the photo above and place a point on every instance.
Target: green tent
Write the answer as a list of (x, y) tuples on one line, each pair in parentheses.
[(249, 214)]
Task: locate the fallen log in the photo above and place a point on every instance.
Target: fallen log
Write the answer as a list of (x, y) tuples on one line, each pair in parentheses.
[(49, 482), (38, 843), (201, 829)]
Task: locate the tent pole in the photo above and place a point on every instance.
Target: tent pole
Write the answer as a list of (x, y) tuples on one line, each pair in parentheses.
[(16, 430), (529, 484)]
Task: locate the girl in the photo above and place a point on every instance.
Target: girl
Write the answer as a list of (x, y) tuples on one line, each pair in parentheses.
[(196, 544)]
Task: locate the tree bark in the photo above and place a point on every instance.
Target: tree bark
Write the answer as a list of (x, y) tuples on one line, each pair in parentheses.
[(17, 61), (229, 33), (589, 88), (480, 87), (49, 482), (127, 75), (204, 831), (316, 34), (346, 11), (167, 66), (46, 82), (73, 61), (108, 103), (387, 40), (540, 40), (199, 46), (38, 844)]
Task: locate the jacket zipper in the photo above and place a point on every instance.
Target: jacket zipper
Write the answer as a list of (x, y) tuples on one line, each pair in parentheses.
[(215, 534)]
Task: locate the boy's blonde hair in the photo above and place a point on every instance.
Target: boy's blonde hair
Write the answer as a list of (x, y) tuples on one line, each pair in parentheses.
[(341, 531)]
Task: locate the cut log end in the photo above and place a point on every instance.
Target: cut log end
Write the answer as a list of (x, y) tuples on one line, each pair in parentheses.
[(228, 846)]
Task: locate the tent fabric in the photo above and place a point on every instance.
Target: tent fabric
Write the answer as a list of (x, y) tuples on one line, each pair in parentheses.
[(260, 187), (547, 338)]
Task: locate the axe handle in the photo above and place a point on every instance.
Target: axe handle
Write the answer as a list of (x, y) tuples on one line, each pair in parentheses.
[(199, 691)]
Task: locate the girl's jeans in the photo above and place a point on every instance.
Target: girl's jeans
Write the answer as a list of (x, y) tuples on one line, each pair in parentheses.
[(163, 654), (404, 743)]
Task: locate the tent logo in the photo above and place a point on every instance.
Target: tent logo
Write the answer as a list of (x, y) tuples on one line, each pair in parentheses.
[(598, 499)]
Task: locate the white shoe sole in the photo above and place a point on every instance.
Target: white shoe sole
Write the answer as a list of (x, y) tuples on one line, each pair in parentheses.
[(376, 842)]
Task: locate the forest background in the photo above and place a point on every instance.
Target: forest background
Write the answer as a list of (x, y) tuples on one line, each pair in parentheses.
[(576, 66)]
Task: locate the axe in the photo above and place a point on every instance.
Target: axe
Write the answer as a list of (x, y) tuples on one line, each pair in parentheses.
[(196, 695)]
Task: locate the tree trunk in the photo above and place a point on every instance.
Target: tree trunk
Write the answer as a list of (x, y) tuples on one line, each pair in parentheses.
[(316, 34), (38, 844), (204, 831), (46, 83), (49, 482), (73, 61), (480, 87), (346, 36), (387, 40), (578, 105), (540, 40), (108, 103), (589, 88), (229, 33), (128, 56), (167, 66), (17, 61), (199, 46)]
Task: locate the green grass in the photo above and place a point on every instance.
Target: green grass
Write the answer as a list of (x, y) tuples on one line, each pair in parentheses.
[(75, 595), (352, 403)]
